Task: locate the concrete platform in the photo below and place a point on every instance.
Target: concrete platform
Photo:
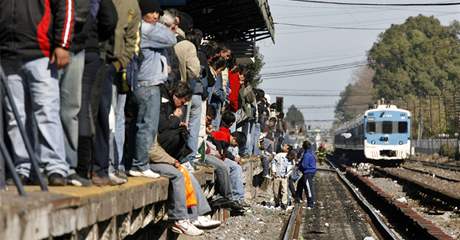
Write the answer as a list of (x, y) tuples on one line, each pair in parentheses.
[(86, 212)]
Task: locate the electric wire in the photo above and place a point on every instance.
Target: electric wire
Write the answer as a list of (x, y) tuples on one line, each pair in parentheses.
[(381, 4)]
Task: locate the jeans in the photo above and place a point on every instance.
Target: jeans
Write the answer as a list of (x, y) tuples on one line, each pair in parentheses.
[(222, 172), (202, 207), (194, 125), (37, 81), (102, 142), (236, 178), (265, 165), (255, 139), (71, 93), (177, 209), (307, 183), (119, 134), (148, 100), (86, 118)]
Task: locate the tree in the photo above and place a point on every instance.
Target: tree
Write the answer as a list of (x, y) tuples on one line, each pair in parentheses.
[(294, 117), (419, 57), (254, 69), (357, 96)]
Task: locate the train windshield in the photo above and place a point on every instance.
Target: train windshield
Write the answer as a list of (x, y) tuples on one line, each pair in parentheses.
[(386, 127)]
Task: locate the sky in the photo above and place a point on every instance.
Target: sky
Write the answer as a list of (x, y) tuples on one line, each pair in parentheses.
[(305, 47)]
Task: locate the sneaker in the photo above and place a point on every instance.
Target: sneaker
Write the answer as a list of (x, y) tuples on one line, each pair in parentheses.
[(121, 174), (185, 227), (289, 208), (56, 179), (77, 180), (116, 180), (205, 222), (147, 173), (268, 176)]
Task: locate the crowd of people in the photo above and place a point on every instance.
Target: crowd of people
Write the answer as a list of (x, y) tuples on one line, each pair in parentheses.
[(110, 89)]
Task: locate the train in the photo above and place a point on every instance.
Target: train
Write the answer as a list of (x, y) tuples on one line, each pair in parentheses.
[(380, 133)]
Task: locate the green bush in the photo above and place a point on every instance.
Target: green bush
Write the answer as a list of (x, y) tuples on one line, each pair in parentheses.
[(447, 151)]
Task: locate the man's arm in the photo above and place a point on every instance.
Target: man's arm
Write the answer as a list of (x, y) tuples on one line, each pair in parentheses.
[(63, 22), (131, 37)]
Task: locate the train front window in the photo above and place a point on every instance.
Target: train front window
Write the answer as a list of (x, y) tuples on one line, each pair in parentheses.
[(387, 127), (402, 127), (370, 127)]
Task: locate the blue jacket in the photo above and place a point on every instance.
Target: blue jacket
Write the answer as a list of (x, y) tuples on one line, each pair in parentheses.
[(154, 40), (308, 163)]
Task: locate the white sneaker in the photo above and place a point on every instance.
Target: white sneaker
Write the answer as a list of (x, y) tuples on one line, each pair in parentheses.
[(116, 180), (185, 227), (205, 222), (147, 173)]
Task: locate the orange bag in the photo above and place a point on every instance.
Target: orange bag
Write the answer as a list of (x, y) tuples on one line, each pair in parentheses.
[(190, 197)]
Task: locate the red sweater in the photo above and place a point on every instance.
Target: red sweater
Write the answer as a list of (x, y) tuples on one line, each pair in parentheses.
[(234, 80), (222, 135)]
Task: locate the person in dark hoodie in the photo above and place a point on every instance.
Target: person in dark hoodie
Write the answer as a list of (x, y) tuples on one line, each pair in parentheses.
[(308, 167)]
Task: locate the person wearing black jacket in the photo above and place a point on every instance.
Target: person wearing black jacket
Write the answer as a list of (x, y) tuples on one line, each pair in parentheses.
[(35, 37), (99, 27), (172, 131)]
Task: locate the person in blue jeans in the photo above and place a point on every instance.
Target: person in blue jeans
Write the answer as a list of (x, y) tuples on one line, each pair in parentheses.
[(153, 72), (308, 167), (32, 51)]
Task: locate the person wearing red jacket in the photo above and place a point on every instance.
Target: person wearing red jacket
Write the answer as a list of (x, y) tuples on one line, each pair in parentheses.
[(34, 41)]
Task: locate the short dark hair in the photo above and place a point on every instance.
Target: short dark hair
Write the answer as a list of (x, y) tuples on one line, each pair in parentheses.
[(194, 36), (182, 90), (292, 154), (209, 49), (240, 138), (306, 145), (218, 62), (228, 118), (272, 119), (211, 111)]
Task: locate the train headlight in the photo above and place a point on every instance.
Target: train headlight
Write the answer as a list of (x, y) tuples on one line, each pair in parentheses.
[(373, 142), (400, 142)]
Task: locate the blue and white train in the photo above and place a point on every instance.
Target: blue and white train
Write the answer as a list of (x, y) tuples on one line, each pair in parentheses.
[(381, 133)]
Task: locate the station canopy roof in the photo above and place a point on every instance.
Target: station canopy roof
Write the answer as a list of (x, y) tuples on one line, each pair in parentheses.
[(238, 23)]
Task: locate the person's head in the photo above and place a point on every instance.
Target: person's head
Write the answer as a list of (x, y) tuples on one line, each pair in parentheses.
[(237, 139), (272, 122), (181, 93), (291, 155), (218, 64), (242, 73), (209, 49), (169, 20), (210, 114), (228, 118), (306, 145), (286, 147), (224, 52), (150, 10), (195, 36)]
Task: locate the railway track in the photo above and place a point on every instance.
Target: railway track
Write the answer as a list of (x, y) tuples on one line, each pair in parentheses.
[(431, 173), (390, 219), (447, 166), (339, 214)]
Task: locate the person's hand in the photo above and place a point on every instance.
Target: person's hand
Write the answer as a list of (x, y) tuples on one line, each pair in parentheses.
[(176, 164), (178, 112), (238, 159), (183, 124), (60, 57)]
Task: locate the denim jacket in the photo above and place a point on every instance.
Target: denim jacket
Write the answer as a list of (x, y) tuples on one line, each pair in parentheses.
[(154, 66)]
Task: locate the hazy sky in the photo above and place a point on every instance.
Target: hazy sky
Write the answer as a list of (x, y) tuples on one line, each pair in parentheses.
[(308, 47)]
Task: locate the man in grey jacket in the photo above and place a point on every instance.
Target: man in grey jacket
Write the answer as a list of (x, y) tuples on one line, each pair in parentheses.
[(153, 72)]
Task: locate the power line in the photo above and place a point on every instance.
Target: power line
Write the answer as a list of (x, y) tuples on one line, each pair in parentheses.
[(315, 70), (380, 4), (330, 27)]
